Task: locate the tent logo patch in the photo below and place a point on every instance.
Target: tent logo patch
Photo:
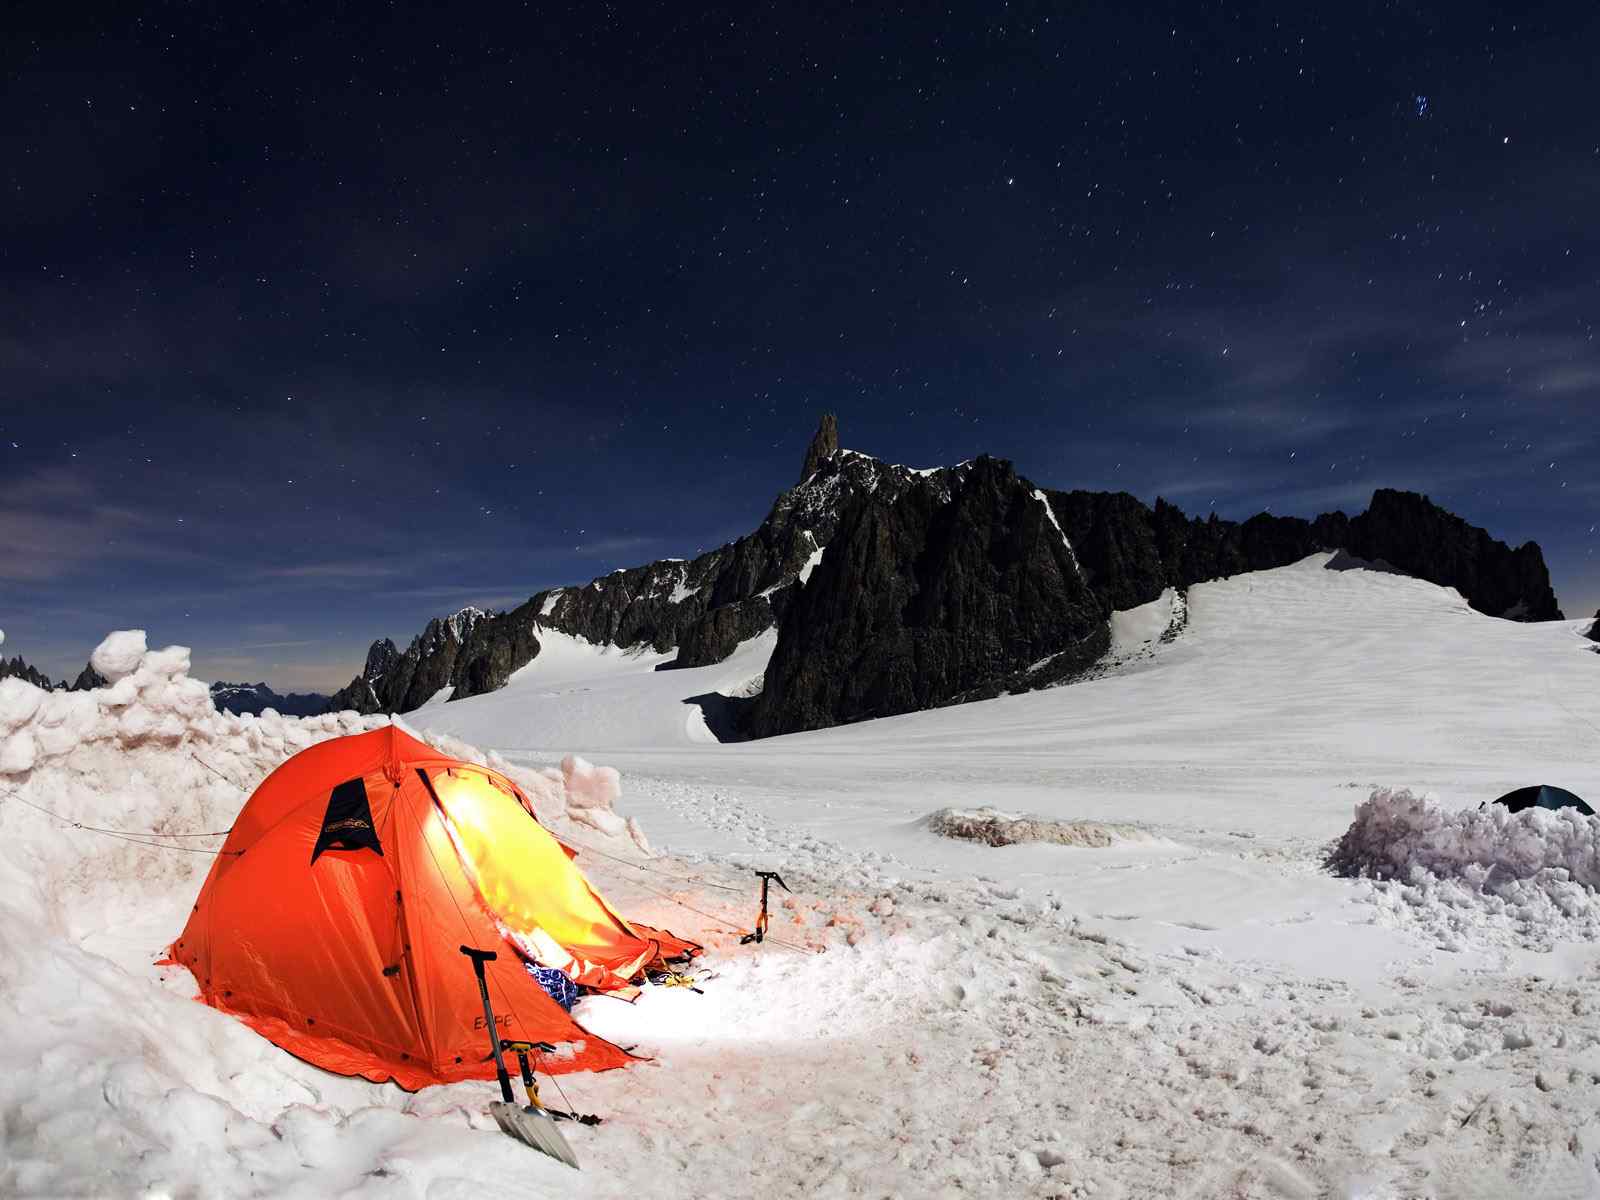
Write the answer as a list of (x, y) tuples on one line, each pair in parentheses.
[(348, 823)]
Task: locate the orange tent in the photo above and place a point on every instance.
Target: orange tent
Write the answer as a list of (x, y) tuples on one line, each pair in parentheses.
[(332, 919)]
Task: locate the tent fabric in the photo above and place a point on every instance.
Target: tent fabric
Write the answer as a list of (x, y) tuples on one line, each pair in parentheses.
[(1543, 796), (341, 943)]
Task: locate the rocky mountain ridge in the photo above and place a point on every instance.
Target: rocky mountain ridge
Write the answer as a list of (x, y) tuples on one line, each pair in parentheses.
[(255, 698), (16, 668), (894, 589), (87, 680), (703, 607)]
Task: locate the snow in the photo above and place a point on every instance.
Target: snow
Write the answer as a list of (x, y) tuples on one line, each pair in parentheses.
[(592, 793), (549, 604), (1209, 1012), (681, 590), (812, 560), (119, 654), (1065, 541), (1526, 878), (1243, 747), (804, 573), (1396, 834), (1139, 634), (1135, 629), (578, 696)]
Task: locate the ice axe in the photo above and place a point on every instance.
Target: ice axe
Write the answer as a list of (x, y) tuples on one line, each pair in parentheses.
[(760, 935), (531, 1124)]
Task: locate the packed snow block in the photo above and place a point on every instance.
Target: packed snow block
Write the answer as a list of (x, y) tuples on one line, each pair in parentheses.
[(995, 828), (119, 655), (17, 753), (19, 700), (1398, 835), (589, 786), (167, 664), (592, 794)]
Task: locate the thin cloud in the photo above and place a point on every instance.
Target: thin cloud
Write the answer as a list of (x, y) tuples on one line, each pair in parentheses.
[(614, 545), (351, 569), (265, 646), (52, 522)]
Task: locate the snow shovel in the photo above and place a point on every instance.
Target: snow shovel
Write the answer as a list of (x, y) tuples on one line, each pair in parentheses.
[(530, 1124)]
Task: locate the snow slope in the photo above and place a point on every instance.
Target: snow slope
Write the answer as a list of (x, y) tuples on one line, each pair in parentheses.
[(1209, 1012), (1247, 740), (1244, 745), (579, 696)]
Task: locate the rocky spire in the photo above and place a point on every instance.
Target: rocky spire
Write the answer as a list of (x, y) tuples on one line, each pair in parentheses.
[(17, 669), (823, 444), (88, 679)]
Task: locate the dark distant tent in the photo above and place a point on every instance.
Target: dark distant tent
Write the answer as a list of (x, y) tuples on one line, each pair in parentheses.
[(1543, 796)]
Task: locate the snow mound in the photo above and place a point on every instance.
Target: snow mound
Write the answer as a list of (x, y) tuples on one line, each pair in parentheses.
[(120, 654), (995, 828), (1476, 876), (150, 757)]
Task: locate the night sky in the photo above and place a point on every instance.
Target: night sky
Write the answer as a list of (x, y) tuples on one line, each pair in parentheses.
[(317, 326)]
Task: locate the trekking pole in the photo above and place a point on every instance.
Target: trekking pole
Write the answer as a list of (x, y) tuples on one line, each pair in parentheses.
[(479, 957), (760, 933)]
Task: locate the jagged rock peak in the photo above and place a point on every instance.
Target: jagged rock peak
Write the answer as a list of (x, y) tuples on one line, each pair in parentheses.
[(1594, 630), (17, 669), (463, 620), (255, 698), (1410, 531), (824, 443), (88, 680), (381, 657)]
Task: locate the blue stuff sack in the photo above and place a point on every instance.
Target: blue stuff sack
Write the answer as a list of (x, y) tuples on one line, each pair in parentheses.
[(556, 983)]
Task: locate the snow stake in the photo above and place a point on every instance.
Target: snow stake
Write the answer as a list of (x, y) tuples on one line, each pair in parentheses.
[(531, 1125), (760, 935)]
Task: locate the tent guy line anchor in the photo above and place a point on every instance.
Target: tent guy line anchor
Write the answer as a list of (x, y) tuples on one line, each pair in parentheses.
[(760, 934)]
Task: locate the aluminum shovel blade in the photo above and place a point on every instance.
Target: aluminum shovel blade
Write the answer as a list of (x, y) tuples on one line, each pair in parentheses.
[(533, 1127)]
